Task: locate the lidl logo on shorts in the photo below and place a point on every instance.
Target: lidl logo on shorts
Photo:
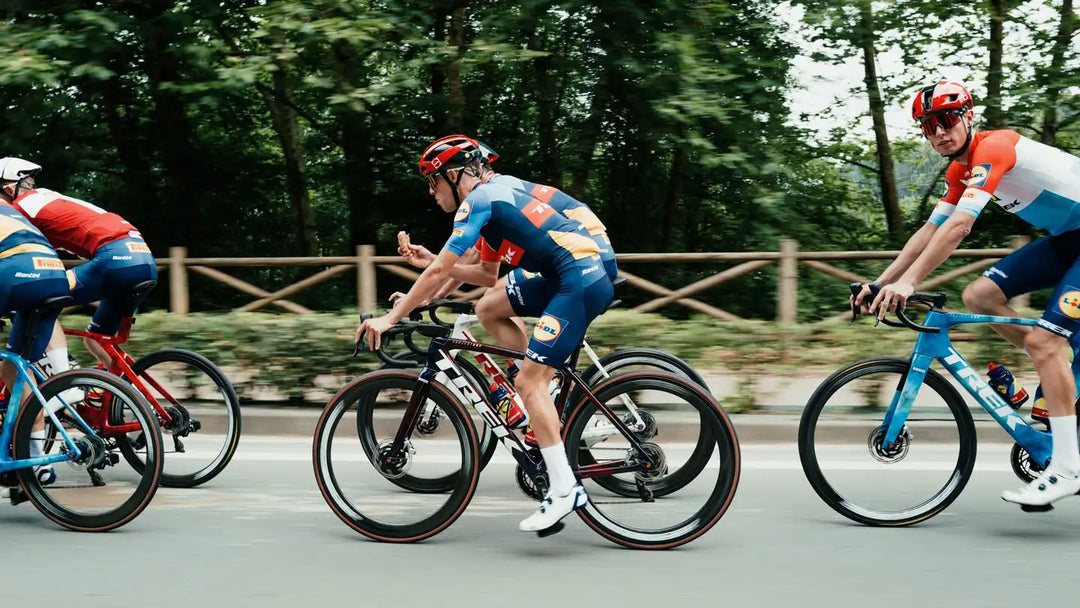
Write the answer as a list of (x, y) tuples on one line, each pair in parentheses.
[(1069, 304), (463, 211), (73, 281), (549, 327), (458, 232), (48, 264), (138, 247), (978, 175)]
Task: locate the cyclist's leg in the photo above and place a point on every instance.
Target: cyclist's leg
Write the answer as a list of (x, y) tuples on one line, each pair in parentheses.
[(518, 294), (1048, 345), (123, 268), (558, 332), (1037, 265), (84, 282), (44, 283)]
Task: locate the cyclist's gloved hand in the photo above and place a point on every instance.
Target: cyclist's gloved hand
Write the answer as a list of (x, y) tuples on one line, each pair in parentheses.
[(860, 302)]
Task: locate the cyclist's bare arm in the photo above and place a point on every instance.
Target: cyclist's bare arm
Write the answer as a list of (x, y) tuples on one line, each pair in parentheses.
[(943, 243), (911, 251)]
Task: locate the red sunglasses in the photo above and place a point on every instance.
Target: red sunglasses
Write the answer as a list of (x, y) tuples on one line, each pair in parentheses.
[(945, 120)]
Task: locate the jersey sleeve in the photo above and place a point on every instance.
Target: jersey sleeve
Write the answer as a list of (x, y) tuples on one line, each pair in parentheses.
[(995, 156), (487, 252), (953, 190), (471, 217)]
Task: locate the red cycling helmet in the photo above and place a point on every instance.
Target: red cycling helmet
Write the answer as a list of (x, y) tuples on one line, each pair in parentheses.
[(942, 105), (941, 97), (447, 153)]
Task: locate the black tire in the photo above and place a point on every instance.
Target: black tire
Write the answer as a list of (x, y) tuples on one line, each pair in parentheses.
[(361, 393), (228, 408), (620, 360), (725, 445), (134, 409), (942, 498), (624, 358)]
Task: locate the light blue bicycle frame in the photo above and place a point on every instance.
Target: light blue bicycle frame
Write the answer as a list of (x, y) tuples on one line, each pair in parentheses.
[(930, 346), (23, 373)]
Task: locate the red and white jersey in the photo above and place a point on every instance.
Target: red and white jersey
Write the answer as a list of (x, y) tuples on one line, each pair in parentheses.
[(71, 224), (1039, 183)]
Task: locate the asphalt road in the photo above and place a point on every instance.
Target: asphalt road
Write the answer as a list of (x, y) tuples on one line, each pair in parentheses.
[(261, 535)]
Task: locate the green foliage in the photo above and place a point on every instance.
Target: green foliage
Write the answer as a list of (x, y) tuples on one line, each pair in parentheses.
[(679, 123), (291, 356)]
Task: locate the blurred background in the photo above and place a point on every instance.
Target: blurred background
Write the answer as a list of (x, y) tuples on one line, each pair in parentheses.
[(293, 127)]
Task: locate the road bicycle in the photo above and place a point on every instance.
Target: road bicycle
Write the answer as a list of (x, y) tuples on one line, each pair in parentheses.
[(114, 496), (194, 402), (922, 446), (482, 372), (391, 406)]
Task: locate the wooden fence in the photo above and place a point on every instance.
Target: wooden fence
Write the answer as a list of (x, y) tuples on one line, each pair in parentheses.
[(367, 266)]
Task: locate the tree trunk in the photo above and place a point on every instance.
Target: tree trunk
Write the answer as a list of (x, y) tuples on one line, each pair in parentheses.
[(995, 115), (583, 146), (674, 190), (455, 116), (887, 178), (546, 102), (180, 158), (356, 141), (287, 126), (1054, 74)]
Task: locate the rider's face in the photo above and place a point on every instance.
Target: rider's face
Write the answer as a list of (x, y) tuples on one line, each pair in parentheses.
[(442, 191), (949, 141)]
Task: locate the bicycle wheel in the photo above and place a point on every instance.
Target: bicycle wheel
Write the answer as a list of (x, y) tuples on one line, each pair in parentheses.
[(205, 412), (361, 489), (91, 493), (649, 520), (840, 445), (433, 418), (626, 359)]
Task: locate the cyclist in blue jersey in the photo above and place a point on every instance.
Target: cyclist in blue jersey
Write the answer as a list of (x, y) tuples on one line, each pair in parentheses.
[(30, 272), (1041, 185), (520, 292), (526, 232)]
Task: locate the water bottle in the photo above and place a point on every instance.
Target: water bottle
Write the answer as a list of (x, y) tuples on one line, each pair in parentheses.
[(509, 406), (1001, 380)]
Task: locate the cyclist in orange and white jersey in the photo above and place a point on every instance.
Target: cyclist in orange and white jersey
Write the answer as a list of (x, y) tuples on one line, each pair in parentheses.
[(1041, 185)]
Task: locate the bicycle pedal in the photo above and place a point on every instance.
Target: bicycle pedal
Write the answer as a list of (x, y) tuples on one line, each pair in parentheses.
[(552, 530), (1036, 508)]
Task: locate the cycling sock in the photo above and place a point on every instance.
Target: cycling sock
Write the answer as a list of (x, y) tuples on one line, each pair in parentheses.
[(1065, 458), (58, 358), (560, 476), (37, 443)]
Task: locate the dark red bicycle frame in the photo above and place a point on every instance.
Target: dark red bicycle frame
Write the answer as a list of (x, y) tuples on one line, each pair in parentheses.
[(98, 417)]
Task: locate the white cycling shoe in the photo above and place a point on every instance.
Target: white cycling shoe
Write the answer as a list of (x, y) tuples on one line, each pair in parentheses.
[(1046, 489), (553, 508)]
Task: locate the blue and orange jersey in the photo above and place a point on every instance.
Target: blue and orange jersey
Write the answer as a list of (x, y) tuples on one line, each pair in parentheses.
[(18, 234), (568, 206), (521, 230), (1038, 183)]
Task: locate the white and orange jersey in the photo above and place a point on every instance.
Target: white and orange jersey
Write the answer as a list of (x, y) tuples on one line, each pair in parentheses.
[(72, 224), (1038, 183)]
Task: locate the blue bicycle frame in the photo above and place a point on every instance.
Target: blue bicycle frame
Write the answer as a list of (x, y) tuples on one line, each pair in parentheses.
[(936, 345), (24, 372)]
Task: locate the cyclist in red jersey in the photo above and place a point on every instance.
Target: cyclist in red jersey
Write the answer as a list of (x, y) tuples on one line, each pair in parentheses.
[(118, 259)]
